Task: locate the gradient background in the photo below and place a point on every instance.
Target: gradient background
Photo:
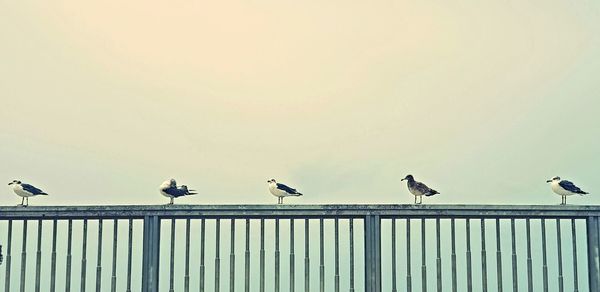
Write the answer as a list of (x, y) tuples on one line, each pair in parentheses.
[(101, 102)]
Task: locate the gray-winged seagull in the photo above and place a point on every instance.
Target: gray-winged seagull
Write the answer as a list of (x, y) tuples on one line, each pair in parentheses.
[(418, 189), (564, 188), (25, 191), (170, 190), (281, 191)]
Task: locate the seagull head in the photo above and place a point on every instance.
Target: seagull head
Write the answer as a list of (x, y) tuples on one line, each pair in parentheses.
[(172, 183), (408, 177), (556, 178), (14, 182), (271, 181)]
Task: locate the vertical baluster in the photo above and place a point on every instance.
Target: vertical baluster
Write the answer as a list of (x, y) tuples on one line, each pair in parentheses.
[(453, 240), (38, 257), (53, 258), (277, 284), (247, 258), (351, 244), (408, 262), (544, 257), (337, 256), (8, 256), (113, 278), (217, 254), (321, 256), (292, 258), (484, 284), (515, 274), (69, 256), (529, 267), (24, 256), (574, 240), (394, 255), (439, 255), (306, 256), (498, 255), (84, 257), (232, 257), (423, 258), (99, 261), (186, 274), (262, 255), (129, 254), (560, 266), (469, 267), (172, 258), (202, 253)]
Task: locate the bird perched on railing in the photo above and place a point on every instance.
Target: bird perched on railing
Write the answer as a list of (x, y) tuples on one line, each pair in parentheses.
[(25, 191), (564, 188), (281, 191), (170, 190), (418, 189)]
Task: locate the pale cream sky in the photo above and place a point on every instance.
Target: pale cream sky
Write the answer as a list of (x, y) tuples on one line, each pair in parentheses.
[(103, 101)]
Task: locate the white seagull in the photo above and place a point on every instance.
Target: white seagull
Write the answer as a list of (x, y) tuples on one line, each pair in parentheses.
[(170, 190), (25, 191), (564, 188), (281, 191), (418, 189)]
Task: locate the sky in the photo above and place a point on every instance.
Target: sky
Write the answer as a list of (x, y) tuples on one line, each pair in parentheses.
[(483, 101)]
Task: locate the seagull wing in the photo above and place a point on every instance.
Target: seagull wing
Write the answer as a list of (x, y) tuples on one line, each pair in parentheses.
[(287, 189), (185, 190), (175, 192), (427, 191), (32, 189), (571, 187)]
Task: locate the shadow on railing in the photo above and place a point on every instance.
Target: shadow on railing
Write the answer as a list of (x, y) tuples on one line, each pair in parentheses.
[(302, 247)]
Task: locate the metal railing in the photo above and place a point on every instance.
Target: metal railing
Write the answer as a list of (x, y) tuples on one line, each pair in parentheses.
[(300, 248)]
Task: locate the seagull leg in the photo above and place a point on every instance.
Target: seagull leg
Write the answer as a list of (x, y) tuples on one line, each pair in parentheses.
[(27, 200), (171, 202), (420, 200), (282, 200), (22, 201)]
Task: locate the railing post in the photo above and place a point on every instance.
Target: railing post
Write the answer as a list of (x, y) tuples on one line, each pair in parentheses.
[(372, 253), (593, 242), (150, 254)]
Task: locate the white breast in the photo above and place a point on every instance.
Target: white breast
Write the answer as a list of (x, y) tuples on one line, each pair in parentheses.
[(559, 190), (18, 189), (276, 192)]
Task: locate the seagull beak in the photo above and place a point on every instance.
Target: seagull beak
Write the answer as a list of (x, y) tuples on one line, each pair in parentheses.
[(402, 180), (549, 181), (10, 183)]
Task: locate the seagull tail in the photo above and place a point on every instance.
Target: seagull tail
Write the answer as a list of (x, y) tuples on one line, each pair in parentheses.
[(581, 193), (433, 192), (298, 194), (43, 194)]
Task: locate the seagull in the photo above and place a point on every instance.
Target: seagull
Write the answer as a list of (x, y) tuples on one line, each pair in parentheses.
[(25, 191), (418, 189), (564, 188), (281, 191), (170, 190)]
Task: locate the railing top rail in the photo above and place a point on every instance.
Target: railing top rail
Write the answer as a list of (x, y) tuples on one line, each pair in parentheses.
[(298, 211)]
